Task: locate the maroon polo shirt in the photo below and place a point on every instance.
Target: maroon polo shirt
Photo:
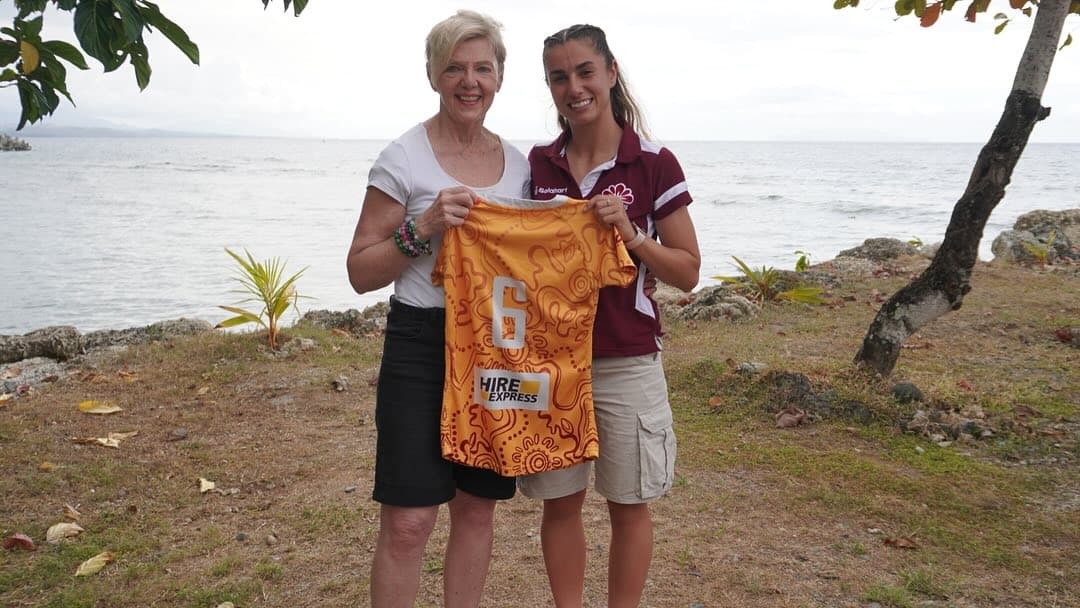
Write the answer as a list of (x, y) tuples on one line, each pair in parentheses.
[(652, 185)]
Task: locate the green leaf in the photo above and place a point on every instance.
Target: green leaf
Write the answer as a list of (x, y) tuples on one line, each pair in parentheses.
[(130, 21), (30, 29), (67, 52), (8, 75), (141, 64), (93, 28), (1001, 26), (247, 316), (300, 5), (9, 52), (904, 7), (948, 4), (1068, 41), (26, 7), (65, 5), (804, 295), (152, 14)]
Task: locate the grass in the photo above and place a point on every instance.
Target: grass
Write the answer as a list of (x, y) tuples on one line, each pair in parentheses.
[(757, 517)]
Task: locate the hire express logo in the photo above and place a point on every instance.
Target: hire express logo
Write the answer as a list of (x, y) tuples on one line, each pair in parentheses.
[(499, 389)]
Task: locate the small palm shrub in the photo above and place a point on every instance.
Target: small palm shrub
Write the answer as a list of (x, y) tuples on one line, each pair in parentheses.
[(264, 283), (764, 285)]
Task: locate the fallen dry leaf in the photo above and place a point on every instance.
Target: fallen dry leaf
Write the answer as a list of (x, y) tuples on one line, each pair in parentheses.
[(9, 373), (111, 441), (715, 402), (1064, 334), (203, 390), (92, 377), (19, 541), (205, 485), (900, 542), (127, 376), (341, 333), (95, 564), (46, 466), (60, 531), (103, 441), (98, 407), (71, 512)]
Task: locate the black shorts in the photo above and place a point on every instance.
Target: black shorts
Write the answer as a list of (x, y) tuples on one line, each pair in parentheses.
[(409, 468)]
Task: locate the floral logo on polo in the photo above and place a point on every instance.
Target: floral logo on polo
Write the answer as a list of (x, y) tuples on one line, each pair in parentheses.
[(622, 191)]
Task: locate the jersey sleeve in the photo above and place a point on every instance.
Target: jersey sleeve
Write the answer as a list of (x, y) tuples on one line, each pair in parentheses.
[(391, 173), (616, 267), (671, 189)]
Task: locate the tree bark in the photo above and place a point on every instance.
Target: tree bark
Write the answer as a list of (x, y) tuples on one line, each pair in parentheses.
[(943, 285)]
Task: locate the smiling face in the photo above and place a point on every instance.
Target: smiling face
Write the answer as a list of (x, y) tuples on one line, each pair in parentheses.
[(468, 83), (580, 81)]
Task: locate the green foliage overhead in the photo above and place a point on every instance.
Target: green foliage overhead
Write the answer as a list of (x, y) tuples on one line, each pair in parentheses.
[(929, 12), (110, 31)]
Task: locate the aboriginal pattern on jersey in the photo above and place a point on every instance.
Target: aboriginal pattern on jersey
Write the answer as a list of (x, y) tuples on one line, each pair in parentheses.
[(522, 279)]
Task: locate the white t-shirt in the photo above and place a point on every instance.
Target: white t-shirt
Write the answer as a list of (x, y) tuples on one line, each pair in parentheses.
[(408, 172)]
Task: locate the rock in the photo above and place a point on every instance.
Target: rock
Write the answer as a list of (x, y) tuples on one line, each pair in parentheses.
[(1067, 222), (177, 434), (294, 345), (855, 410), (340, 384), (271, 540), (717, 302), (12, 144), (789, 417), (59, 342), (929, 251), (162, 330), (751, 368), (879, 250), (1034, 230), (371, 320), (240, 536), (906, 392), (30, 372), (1015, 247)]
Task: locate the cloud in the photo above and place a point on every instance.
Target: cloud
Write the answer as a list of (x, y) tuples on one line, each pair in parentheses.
[(776, 70)]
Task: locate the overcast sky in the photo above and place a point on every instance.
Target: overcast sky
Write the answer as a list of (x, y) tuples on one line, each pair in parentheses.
[(762, 70)]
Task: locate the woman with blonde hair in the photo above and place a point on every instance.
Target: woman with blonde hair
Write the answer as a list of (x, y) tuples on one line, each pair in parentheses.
[(424, 182)]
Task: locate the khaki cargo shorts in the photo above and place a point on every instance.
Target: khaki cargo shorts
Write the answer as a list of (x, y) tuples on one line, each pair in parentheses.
[(637, 441)]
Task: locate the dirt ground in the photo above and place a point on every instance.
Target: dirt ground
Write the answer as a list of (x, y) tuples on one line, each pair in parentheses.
[(758, 517)]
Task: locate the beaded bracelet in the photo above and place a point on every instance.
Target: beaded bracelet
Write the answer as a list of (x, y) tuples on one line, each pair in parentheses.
[(407, 243), (423, 247)]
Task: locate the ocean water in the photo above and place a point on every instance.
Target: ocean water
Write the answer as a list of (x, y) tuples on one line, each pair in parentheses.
[(119, 232)]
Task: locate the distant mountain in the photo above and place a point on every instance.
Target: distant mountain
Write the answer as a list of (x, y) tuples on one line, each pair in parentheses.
[(48, 130)]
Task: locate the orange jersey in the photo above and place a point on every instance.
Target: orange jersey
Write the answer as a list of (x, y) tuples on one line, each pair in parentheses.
[(522, 280)]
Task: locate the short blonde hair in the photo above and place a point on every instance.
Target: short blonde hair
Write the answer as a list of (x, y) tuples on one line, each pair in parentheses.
[(452, 31)]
